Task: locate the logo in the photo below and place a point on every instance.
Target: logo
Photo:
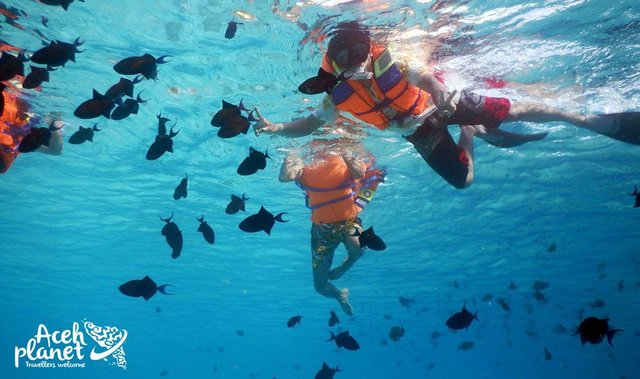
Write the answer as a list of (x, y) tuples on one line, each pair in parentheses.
[(66, 348)]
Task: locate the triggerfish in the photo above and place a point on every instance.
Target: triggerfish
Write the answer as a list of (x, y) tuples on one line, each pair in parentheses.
[(462, 319), (39, 137), (326, 372), (368, 238), (261, 221), (57, 53), (236, 204), (254, 162), (163, 142), (98, 105), (83, 135), (206, 230), (593, 330), (344, 340), (144, 287), (293, 321), (146, 65), (173, 235), (181, 189)]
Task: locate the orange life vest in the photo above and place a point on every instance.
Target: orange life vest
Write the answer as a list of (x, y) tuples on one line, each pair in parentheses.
[(13, 127), (332, 194), (392, 90)]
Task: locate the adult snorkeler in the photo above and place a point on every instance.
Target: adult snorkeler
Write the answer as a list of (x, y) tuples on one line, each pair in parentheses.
[(339, 180), (362, 79)]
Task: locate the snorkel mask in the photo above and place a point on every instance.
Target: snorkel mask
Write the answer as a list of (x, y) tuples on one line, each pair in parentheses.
[(349, 58), (361, 72)]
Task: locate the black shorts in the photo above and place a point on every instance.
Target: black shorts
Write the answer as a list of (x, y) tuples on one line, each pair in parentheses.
[(436, 146)]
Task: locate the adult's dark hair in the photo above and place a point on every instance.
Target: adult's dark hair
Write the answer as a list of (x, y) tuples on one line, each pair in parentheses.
[(349, 44)]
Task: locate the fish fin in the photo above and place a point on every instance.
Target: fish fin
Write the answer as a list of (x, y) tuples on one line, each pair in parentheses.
[(279, 217), (227, 105), (163, 289), (610, 334)]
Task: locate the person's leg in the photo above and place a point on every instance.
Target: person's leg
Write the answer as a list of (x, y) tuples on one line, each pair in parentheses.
[(536, 112), (323, 246), (354, 251), (466, 144)]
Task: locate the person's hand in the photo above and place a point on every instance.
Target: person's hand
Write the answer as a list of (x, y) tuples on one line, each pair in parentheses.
[(446, 108), (263, 125)]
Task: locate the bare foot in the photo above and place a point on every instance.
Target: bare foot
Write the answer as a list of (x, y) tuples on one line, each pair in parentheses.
[(344, 302)]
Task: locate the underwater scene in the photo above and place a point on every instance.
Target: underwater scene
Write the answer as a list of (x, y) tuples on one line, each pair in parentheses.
[(320, 189)]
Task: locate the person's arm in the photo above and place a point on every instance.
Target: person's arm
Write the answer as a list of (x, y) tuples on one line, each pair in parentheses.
[(444, 100), (357, 168), (326, 113), (291, 168)]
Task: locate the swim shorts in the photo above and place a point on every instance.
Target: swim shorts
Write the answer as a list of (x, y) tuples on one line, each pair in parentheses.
[(436, 146), (325, 238), (474, 109)]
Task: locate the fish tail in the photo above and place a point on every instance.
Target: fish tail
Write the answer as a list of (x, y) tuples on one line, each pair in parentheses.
[(201, 218), (332, 338), (610, 334), (279, 217), (163, 289)]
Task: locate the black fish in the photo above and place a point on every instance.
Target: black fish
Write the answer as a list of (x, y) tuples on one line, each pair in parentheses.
[(99, 105), (126, 107), (173, 235), (593, 329), (368, 238), (163, 142), (467, 345), (206, 230), (322, 82), (36, 77), (57, 53), (236, 204), (232, 27), (462, 319), (293, 321), (263, 220), (406, 301), (144, 287), (540, 285), (637, 195), (63, 3), (513, 286), (547, 355), (396, 333), (83, 135), (123, 87), (503, 303), (344, 340), (333, 319), (181, 189), (37, 137), (230, 120), (146, 65), (44, 21), (11, 65), (254, 162), (326, 372)]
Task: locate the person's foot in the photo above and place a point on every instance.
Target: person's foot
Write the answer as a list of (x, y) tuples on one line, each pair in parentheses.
[(344, 302)]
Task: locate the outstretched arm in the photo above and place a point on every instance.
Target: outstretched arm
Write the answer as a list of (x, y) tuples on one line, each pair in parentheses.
[(325, 113)]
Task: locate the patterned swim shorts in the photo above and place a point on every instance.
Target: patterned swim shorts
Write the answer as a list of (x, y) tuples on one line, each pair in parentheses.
[(325, 238)]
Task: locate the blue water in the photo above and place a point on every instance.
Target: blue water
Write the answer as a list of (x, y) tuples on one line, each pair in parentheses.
[(76, 226)]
